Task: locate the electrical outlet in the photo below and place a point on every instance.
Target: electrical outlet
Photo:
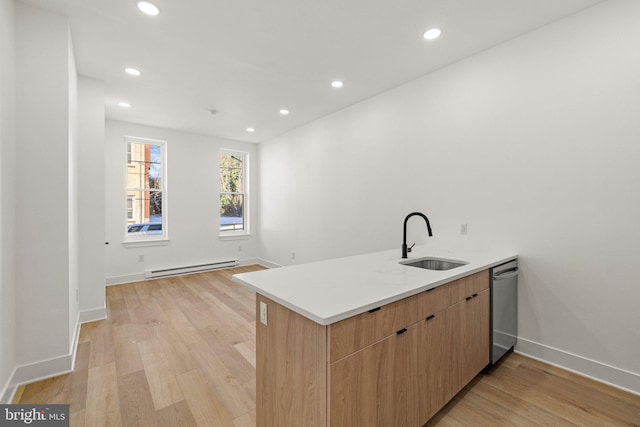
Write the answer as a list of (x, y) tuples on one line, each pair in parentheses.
[(263, 313), (239, 248), (463, 228), (140, 258), (293, 255)]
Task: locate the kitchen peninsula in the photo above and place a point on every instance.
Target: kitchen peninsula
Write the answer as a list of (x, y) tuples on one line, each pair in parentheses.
[(368, 341)]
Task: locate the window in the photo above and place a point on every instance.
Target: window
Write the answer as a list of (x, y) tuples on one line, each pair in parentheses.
[(129, 157), (146, 190), (233, 192), (130, 203)]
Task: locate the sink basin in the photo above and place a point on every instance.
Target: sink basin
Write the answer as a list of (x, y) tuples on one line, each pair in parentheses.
[(434, 263)]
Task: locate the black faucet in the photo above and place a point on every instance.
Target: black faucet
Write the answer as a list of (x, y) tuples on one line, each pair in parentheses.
[(406, 250)]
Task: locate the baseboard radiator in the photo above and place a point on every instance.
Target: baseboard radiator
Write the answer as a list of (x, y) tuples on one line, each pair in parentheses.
[(152, 274)]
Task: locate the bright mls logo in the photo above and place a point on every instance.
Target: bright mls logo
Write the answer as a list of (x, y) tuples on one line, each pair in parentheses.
[(34, 415)]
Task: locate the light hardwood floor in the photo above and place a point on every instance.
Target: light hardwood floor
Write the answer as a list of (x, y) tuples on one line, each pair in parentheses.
[(181, 352)]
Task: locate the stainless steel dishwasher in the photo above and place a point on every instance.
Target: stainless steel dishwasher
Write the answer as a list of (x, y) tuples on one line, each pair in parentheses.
[(504, 309)]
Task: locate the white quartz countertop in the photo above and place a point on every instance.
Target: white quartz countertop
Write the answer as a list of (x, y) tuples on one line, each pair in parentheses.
[(332, 290)]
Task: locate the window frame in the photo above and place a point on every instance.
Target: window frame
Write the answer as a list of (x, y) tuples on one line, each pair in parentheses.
[(131, 200), (128, 163), (129, 155), (246, 194)]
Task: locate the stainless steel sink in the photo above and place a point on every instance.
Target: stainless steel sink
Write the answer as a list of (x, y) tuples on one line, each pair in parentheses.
[(431, 263)]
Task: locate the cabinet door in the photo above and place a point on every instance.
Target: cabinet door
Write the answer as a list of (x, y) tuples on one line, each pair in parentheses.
[(473, 337), (430, 380), (369, 387)]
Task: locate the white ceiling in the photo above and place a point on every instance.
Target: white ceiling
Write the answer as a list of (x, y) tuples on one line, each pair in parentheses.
[(247, 59)]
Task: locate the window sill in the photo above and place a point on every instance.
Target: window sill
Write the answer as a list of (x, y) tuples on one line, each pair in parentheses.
[(244, 236), (141, 243)]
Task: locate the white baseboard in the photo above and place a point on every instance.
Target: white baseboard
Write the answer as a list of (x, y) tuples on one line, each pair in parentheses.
[(93, 314), (128, 278), (259, 261), (44, 369), (138, 277), (598, 371), (8, 390)]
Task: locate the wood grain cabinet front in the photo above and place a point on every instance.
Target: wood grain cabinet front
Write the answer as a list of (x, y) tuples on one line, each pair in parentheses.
[(394, 366), (357, 332), (429, 382), (368, 388), (471, 332)]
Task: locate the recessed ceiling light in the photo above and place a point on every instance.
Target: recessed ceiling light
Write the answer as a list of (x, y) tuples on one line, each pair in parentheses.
[(124, 104), (337, 84), (148, 8), (251, 130), (432, 34), (284, 111), (132, 71)]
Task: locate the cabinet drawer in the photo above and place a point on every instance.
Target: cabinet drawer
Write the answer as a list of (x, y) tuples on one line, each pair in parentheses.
[(443, 296), (431, 302), (357, 332), (474, 284)]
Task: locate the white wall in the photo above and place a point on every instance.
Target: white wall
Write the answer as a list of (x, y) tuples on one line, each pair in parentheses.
[(533, 143), (44, 194), (91, 198), (7, 196), (193, 203)]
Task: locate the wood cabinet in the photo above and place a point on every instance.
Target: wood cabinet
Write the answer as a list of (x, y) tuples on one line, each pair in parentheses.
[(357, 332), (368, 388), (291, 368), (393, 366), (471, 319), (430, 380)]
